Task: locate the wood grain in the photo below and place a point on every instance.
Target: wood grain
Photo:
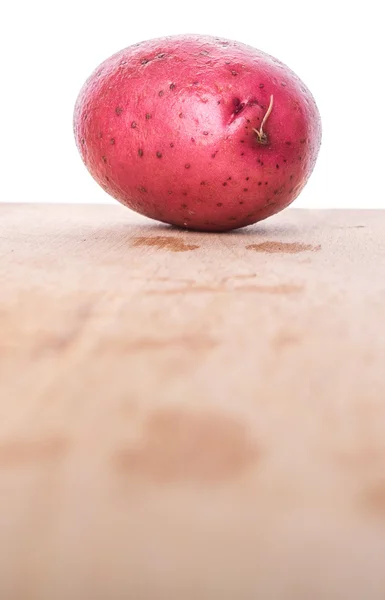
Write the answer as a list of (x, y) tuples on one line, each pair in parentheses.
[(191, 416)]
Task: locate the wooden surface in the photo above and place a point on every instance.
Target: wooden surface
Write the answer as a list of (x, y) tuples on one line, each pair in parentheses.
[(189, 416)]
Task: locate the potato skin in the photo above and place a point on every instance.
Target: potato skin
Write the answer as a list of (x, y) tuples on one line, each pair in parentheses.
[(166, 127)]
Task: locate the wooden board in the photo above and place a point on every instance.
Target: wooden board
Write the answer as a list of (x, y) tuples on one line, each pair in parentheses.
[(190, 416)]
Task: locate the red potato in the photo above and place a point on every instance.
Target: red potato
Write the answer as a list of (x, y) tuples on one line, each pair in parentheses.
[(197, 131)]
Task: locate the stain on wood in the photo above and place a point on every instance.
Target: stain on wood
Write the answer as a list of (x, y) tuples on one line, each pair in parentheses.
[(182, 446), (173, 244), (273, 247), (20, 452), (372, 499), (285, 339)]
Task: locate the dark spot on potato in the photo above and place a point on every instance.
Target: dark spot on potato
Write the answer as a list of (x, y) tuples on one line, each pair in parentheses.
[(261, 85), (140, 151), (241, 202), (239, 108), (201, 447), (142, 190), (144, 61), (187, 166), (82, 140), (288, 143), (159, 154), (104, 159), (148, 116), (219, 204), (234, 73), (193, 140), (247, 178), (160, 93), (245, 189), (259, 182), (162, 55), (171, 145), (181, 115), (112, 141), (118, 110), (183, 205), (224, 183), (205, 133), (100, 135), (277, 166), (133, 125), (303, 141)]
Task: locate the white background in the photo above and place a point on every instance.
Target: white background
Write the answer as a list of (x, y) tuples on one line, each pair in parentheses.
[(49, 48)]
